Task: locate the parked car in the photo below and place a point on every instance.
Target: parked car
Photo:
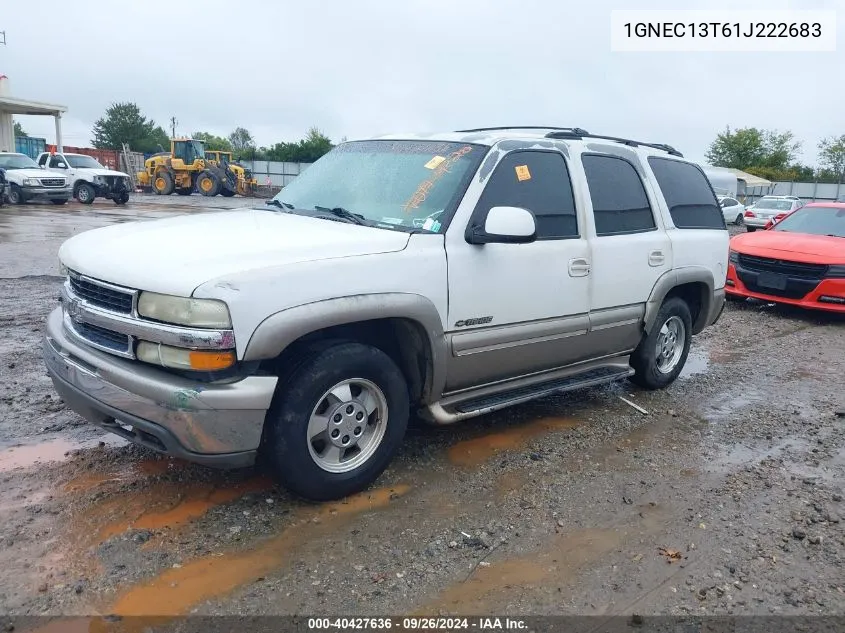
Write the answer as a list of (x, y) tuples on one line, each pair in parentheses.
[(452, 274), (767, 208), (732, 210), (88, 178), (3, 186), (800, 260), (26, 180)]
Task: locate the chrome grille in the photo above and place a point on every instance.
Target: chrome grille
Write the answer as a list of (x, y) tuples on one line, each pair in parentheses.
[(101, 295), (103, 338), (53, 182)]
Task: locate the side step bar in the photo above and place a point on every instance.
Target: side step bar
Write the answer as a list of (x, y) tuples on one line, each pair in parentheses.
[(445, 412)]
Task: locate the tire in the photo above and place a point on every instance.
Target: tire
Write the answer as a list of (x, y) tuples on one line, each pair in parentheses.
[(208, 184), (59, 201), (85, 193), (750, 229), (163, 183), (315, 469), (739, 220), (228, 193), (15, 195), (121, 198), (184, 191), (653, 371)]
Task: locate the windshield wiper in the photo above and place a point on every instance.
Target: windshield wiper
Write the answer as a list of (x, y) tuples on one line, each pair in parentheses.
[(279, 203), (340, 212)]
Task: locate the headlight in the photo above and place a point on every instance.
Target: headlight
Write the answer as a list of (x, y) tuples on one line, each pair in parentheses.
[(209, 313), (179, 358), (30, 182), (733, 256), (837, 271)]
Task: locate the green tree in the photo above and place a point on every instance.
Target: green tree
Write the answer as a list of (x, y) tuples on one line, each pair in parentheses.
[(124, 123), (751, 147), (213, 142), (832, 155), (19, 130), (307, 150), (241, 141)]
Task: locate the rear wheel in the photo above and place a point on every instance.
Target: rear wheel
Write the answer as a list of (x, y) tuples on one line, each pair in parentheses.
[(208, 184), (739, 220), (85, 193), (337, 421), (163, 183), (661, 355)]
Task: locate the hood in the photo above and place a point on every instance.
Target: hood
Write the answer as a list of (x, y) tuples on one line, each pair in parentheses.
[(175, 255), (31, 173), (813, 249), (99, 172)]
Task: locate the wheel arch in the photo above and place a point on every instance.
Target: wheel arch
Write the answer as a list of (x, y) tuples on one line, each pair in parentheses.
[(407, 327), (694, 284)]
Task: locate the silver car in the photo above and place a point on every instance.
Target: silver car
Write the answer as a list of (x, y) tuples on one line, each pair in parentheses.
[(769, 207)]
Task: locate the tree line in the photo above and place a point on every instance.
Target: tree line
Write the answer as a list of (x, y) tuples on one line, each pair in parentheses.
[(773, 155), (124, 123)]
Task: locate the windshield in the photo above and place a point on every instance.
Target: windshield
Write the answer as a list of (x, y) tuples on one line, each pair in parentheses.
[(777, 205), (393, 184), (17, 161), (83, 162), (815, 221)]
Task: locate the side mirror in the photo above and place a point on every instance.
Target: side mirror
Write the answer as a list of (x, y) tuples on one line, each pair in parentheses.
[(61, 165), (505, 225)]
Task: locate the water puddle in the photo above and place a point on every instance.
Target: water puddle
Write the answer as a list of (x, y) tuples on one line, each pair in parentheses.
[(176, 591), (58, 450), (478, 450), (783, 451), (698, 362), (727, 405)]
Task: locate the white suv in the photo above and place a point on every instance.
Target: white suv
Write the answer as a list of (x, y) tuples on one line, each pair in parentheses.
[(449, 274)]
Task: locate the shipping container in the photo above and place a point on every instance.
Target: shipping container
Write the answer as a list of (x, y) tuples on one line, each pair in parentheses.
[(108, 158), (30, 145)]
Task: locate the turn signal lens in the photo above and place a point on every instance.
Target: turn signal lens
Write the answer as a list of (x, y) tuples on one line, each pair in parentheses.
[(179, 358)]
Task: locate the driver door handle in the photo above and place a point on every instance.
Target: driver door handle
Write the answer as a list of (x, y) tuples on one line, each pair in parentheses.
[(579, 267)]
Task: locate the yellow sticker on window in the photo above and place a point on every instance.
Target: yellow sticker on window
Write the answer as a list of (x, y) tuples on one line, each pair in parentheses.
[(435, 162), (522, 172)]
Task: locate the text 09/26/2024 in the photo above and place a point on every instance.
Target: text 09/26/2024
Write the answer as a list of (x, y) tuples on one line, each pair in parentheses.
[(725, 31)]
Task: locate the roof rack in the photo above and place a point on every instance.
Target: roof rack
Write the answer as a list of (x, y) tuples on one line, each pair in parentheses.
[(574, 130), (578, 133)]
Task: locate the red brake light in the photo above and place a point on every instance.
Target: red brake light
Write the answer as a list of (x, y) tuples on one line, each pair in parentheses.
[(749, 214)]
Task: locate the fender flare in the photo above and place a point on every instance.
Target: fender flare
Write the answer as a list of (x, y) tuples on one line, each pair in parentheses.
[(678, 277), (279, 330)]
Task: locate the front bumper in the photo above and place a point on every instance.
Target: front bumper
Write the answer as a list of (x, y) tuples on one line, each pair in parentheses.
[(822, 296), (53, 193), (107, 190), (217, 424)]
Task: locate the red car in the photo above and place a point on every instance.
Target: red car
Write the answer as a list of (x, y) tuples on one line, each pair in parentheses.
[(799, 260)]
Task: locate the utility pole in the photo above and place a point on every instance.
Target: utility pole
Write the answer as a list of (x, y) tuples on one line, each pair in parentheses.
[(173, 123)]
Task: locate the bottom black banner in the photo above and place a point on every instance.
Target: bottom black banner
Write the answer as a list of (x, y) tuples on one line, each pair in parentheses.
[(528, 624)]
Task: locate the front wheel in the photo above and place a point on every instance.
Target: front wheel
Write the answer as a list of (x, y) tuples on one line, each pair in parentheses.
[(85, 193), (15, 195), (661, 355), (208, 184), (121, 198), (337, 421)]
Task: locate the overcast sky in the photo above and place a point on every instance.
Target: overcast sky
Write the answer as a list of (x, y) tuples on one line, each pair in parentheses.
[(358, 68)]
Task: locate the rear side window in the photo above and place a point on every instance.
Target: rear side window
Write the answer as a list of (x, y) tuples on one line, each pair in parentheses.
[(692, 203), (619, 200), (539, 182)]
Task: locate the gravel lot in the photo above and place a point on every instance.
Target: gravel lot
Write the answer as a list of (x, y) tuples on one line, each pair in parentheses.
[(725, 498)]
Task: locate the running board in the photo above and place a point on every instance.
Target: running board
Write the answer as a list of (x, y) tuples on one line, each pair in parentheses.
[(449, 413)]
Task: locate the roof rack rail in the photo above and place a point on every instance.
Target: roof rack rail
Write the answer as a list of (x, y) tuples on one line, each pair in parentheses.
[(575, 130), (578, 133)]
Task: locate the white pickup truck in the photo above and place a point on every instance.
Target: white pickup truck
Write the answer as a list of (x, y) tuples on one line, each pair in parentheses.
[(448, 275), (89, 179)]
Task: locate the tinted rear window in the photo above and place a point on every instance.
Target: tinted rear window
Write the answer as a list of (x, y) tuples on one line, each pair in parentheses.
[(687, 191)]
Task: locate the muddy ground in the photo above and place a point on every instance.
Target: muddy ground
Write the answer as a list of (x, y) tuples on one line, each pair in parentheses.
[(724, 498)]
